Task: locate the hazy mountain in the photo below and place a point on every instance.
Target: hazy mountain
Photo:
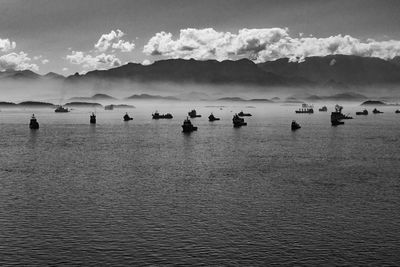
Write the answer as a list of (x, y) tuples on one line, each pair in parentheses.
[(94, 97), (147, 96), (83, 104), (241, 71), (348, 96), (19, 74), (337, 70), (53, 75)]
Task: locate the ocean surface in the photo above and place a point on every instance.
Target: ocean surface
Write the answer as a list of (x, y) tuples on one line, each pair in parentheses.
[(143, 193)]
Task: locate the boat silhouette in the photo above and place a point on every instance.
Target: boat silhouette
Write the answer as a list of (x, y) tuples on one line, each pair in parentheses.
[(127, 117), (213, 118), (193, 114), (364, 112), (93, 118), (238, 121), (61, 109), (187, 126), (33, 124), (295, 126), (156, 115)]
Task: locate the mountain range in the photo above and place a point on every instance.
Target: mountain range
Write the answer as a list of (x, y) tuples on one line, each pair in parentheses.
[(333, 71)]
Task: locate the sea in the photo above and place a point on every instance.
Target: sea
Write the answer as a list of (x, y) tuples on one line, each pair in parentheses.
[(142, 193)]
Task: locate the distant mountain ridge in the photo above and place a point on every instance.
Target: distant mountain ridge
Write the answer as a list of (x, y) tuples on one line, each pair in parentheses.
[(337, 70), (333, 72)]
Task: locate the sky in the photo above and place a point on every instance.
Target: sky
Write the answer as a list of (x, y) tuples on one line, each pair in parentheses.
[(82, 35)]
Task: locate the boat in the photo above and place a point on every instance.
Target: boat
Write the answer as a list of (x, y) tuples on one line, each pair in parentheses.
[(397, 111), (375, 111), (237, 121), (213, 118), (295, 126), (33, 123), (340, 115), (364, 112), (188, 127), (93, 118), (323, 109), (305, 108), (127, 118), (109, 107), (61, 109), (157, 116), (193, 114), (337, 116), (241, 114)]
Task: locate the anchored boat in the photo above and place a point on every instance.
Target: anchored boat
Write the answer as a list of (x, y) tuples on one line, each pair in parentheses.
[(305, 108), (213, 118), (237, 121), (188, 127), (323, 109), (295, 126), (193, 114), (127, 117), (61, 109), (156, 115), (364, 112), (93, 118), (241, 114), (33, 123)]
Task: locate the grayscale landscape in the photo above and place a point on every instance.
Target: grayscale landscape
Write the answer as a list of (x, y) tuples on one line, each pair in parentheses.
[(199, 133)]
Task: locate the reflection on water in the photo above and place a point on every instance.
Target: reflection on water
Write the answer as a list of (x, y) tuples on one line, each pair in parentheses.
[(144, 193)]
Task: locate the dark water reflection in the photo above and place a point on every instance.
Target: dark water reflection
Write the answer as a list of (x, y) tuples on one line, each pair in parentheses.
[(143, 193)]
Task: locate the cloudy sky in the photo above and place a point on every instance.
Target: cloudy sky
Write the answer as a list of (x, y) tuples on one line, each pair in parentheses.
[(82, 35)]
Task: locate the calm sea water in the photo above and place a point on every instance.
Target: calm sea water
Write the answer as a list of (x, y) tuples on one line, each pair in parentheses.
[(144, 193)]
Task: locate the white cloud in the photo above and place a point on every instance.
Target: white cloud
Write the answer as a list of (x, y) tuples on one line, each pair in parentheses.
[(17, 61), (93, 62), (6, 45), (146, 62), (64, 69), (262, 45), (113, 40), (45, 61)]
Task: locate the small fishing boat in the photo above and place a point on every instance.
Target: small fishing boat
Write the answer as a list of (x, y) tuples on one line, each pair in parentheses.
[(33, 123), (375, 111), (188, 127), (237, 121), (397, 111), (193, 114), (93, 118), (61, 109), (213, 118), (127, 117), (323, 109), (295, 126), (242, 114), (364, 112)]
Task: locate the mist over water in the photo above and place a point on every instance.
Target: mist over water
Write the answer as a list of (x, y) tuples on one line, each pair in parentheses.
[(144, 193)]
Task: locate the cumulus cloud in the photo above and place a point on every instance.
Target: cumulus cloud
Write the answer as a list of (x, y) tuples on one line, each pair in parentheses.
[(113, 40), (45, 61), (93, 62), (146, 62), (262, 45), (64, 69), (17, 61), (6, 45)]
